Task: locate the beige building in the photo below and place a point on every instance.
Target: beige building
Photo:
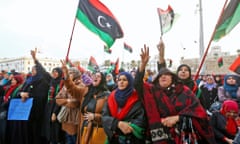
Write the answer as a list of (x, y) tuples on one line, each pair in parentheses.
[(211, 62), (24, 64)]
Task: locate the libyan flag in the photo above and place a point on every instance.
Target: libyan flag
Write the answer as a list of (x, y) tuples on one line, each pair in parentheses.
[(235, 66), (127, 47), (100, 20), (92, 65), (230, 18), (220, 62), (167, 18)]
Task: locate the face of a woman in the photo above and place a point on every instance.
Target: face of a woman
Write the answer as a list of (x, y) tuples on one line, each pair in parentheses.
[(55, 74), (13, 81), (97, 79), (231, 114), (165, 80), (122, 82), (183, 73), (209, 80), (231, 80)]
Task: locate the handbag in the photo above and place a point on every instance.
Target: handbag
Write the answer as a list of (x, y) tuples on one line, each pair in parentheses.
[(188, 135), (62, 115)]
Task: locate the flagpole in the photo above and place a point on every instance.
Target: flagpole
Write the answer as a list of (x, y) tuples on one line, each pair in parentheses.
[(158, 9), (69, 45), (209, 43)]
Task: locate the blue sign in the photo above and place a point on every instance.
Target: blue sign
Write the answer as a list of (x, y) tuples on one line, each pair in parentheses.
[(19, 110)]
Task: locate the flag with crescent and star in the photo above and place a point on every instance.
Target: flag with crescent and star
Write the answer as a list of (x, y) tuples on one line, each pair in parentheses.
[(167, 18), (99, 19)]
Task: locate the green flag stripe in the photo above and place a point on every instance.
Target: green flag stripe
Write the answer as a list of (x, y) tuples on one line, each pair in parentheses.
[(104, 36)]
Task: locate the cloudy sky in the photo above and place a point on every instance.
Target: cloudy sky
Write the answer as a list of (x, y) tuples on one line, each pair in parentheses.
[(47, 25)]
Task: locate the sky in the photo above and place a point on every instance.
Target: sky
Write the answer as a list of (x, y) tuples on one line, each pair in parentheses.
[(48, 24)]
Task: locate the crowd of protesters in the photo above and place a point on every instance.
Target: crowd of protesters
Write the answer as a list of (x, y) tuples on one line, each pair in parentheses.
[(75, 106)]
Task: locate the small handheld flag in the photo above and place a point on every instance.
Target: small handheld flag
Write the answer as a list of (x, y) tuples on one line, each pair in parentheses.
[(127, 47), (167, 18)]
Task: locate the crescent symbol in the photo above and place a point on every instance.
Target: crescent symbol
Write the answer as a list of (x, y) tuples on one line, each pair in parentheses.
[(101, 18)]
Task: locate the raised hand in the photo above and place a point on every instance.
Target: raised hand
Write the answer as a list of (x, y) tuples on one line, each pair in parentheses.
[(144, 57), (64, 69), (33, 53)]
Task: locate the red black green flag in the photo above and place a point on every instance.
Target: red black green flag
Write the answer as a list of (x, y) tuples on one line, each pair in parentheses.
[(166, 18), (116, 69), (127, 47), (230, 18), (220, 62), (235, 66), (100, 20), (92, 65)]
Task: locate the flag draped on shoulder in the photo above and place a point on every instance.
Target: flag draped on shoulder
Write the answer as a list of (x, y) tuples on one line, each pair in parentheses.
[(100, 20), (235, 66), (92, 65), (230, 18), (127, 47), (220, 62), (167, 18)]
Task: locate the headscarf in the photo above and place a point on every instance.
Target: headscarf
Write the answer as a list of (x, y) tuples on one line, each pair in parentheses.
[(231, 89), (111, 81), (212, 85), (231, 125), (34, 78), (12, 88), (189, 81), (165, 71), (121, 96), (86, 79), (229, 105), (75, 71)]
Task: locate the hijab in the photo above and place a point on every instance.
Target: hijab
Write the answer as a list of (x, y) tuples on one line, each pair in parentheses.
[(121, 96), (231, 89), (212, 85), (31, 79)]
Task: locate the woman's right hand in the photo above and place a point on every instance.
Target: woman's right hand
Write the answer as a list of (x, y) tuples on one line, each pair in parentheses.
[(64, 69), (125, 127), (144, 57)]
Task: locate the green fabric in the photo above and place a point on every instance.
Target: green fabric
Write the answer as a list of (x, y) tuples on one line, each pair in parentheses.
[(86, 22), (229, 23), (199, 92), (137, 132)]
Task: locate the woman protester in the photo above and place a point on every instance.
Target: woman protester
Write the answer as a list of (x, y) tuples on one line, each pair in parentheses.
[(70, 108), (230, 89), (92, 102), (224, 124), (29, 131), (209, 92), (10, 92), (172, 109), (123, 117), (51, 127), (183, 70)]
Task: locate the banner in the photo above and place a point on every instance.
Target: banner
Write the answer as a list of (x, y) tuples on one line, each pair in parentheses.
[(19, 110)]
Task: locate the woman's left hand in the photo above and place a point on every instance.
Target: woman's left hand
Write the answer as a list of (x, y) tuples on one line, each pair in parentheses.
[(170, 121), (88, 116)]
